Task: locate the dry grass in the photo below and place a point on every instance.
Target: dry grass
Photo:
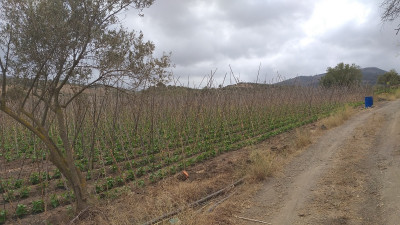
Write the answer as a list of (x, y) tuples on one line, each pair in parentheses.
[(339, 117), (389, 96), (263, 164), (303, 137), (157, 201)]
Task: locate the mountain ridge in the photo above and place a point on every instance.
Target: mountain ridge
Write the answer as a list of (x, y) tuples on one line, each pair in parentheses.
[(370, 77)]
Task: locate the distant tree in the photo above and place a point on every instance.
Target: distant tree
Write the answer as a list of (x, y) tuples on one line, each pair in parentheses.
[(46, 45), (389, 78), (342, 75)]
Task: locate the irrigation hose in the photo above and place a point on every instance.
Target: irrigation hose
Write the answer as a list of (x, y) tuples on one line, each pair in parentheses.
[(196, 203)]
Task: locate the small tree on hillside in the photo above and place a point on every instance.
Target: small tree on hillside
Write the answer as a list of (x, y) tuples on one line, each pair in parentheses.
[(389, 78), (342, 75), (49, 45)]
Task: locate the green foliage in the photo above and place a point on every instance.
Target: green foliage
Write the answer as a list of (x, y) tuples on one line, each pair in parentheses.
[(24, 192), (120, 181), (34, 178), (68, 196), (140, 172), (54, 202), (21, 210), (141, 183), (9, 196), (99, 188), (37, 206), (113, 168), (3, 185), (89, 175), (110, 182), (18, 183), (56, 174), (130, 176), (342, 75), (60, 184), (3, 216), (390, 78)]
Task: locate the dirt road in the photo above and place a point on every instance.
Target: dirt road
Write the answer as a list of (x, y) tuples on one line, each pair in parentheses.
[(351, 175)]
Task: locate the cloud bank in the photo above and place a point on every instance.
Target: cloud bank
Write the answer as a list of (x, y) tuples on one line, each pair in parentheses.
[(288, 38)]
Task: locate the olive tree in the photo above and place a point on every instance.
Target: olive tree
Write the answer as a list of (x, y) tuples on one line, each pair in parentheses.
[(342, 75), (390, 78), (53, 50)]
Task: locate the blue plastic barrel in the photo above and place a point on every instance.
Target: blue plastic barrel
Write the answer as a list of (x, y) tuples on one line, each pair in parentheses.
[(369, 101)]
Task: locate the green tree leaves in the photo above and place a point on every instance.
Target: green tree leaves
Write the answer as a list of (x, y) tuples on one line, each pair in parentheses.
[(342, 75), (389, 79)]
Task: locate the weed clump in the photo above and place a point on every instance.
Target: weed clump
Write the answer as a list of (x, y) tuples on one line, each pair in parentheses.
[(303, 138), (262, 165)]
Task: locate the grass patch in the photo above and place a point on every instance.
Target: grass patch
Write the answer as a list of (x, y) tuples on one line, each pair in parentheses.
[(389, 96), (339, 117), (263, 164), (303, 137)]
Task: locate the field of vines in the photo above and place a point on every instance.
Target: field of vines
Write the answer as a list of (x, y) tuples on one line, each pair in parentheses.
[(140, 138)]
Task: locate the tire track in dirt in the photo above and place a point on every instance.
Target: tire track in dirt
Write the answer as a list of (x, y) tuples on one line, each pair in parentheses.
[(340, 179), (389, 167)]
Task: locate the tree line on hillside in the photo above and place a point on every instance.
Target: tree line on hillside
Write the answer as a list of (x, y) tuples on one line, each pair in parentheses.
[(348, 75)]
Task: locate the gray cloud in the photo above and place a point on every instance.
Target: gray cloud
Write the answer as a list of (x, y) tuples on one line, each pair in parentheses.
[(285, 36)]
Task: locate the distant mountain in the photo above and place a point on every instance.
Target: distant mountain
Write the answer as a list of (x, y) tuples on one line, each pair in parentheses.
[(370, 76)]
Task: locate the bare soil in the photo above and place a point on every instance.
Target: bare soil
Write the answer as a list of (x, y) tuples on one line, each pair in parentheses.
[(350, 175)]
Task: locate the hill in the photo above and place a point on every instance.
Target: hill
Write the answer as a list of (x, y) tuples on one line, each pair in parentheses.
[(370, 76)]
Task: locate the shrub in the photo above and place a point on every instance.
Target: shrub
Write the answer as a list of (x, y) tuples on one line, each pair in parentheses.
[(9, 196), (24, 192), (56, 174), (68, 196), (21, 210), (130, 176), (141, 183), (37, 206), (3, 216), (110, 182), (60, 184), (99, 188), (120, 181), (3, 186), (113, 168), (18, 183), (34, 178), (89, 175), (45, 176), (54, 202)]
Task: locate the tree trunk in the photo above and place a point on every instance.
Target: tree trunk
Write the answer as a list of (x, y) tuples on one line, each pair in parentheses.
[(64, 163), (74, 175), (75, 180)]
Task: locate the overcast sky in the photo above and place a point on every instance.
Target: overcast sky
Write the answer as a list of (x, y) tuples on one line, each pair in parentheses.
[(288, 37)]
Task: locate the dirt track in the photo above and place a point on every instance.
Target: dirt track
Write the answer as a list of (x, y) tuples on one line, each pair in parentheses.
[(351, 175)]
